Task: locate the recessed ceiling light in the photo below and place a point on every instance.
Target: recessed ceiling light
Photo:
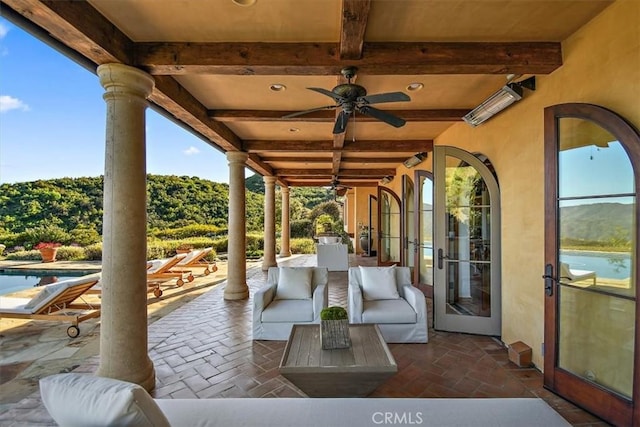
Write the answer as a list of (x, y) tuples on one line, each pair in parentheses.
[(415, 86), (294, 130), (277, 87), (244, 2)]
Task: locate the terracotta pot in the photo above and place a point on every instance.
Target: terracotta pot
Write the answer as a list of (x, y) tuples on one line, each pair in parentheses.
[(48, 254)]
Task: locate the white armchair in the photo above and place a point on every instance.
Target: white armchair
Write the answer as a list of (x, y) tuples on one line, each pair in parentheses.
[(385, 296), (292, 295)]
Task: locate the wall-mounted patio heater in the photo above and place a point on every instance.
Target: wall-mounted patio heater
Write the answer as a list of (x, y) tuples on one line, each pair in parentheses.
[(507, 95)]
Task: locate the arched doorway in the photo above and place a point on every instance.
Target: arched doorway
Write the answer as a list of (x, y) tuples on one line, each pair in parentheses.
[(467, 289)]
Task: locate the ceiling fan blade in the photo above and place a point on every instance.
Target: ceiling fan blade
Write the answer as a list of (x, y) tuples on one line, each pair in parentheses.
[(330, 94), (300, 113), (341, 122), (385, 97), (382, 115)]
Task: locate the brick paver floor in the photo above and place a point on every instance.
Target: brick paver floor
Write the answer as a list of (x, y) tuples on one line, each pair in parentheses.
[(204, 349)]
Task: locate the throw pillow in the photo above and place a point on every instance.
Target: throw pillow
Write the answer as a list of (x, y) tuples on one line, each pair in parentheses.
[(379, 283), (294, 283), (85, 400)]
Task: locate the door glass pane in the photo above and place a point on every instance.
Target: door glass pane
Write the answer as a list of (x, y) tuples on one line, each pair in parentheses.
[(426, 231), (596, 247), (597, 337), (468, 237), (592, 169), (469, 288)]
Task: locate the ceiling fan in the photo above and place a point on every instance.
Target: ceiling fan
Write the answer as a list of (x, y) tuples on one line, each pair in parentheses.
[(340, 189), (352, 97)]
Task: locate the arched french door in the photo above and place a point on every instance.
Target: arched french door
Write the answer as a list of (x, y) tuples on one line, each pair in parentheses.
[(467, 287), (592, 170), (423, 222), (389, 227), (409, 239)]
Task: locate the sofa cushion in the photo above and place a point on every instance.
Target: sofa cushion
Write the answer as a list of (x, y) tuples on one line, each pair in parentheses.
[(86, 400), (388, 311), (379, 283), (289, 311), (294, 283)]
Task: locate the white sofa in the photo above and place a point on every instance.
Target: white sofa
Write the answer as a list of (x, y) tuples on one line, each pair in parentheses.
[(386, 297), (283, 302), (81, 400)]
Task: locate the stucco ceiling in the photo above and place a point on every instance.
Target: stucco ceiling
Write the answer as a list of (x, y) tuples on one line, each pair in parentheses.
[(214, 62)]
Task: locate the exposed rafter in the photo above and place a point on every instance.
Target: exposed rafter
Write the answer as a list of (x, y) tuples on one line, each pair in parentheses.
[(355, 14), (253, 146), (449, 115)]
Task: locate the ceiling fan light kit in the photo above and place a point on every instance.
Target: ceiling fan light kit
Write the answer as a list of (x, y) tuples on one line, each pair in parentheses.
[(350, 98), (504, 97)]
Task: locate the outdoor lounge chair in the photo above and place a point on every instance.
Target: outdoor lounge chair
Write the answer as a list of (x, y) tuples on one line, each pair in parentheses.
[(292, 295), (163, 270), (196, 258), (55, 303), (574, 275), (384, 296)]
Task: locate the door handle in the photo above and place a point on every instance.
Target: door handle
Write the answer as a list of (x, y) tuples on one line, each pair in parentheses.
[(441, 257), (548, 279)]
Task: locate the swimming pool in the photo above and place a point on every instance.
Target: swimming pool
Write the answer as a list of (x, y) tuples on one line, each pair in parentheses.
[(17, 280)]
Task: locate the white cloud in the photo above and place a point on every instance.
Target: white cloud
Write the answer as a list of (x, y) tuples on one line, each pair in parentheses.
[(3, 30), (8, 103), (191, 150)]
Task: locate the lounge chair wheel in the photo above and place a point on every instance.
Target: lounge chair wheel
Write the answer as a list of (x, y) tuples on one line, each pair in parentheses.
[(214, 268), (157, 292), (190, 278), (206, 272), (73, 331), (180, 282)]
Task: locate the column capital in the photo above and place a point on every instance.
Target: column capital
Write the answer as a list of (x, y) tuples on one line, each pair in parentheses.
[(237, 157), (284, 190), (269, 180), (123, 79)]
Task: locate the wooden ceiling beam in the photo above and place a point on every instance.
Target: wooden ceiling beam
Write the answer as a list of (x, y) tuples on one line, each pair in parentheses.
[(179, 58), (299, 159), (355, 14), (256, 146), (294, 183), (326, 116), (344, 173)]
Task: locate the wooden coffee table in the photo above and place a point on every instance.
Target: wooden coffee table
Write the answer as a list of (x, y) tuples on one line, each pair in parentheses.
[(350, 372)]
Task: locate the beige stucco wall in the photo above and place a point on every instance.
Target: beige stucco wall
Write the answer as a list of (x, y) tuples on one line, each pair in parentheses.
[(601, 66)]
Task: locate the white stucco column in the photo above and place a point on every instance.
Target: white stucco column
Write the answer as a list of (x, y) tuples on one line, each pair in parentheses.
[(285, 249), (123, 324), (269, 259), (236, 249)]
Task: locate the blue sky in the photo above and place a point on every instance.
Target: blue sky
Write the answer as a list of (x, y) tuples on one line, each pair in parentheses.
[(52, 120)]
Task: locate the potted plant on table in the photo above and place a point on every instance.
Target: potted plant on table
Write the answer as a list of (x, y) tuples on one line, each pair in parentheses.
[(334, 328), (48, 250)]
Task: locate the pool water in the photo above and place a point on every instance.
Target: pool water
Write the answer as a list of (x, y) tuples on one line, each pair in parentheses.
[(18, 280)]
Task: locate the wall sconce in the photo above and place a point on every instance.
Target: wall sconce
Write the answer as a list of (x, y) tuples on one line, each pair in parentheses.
[(415, 160), (386, 180), (500, 100)]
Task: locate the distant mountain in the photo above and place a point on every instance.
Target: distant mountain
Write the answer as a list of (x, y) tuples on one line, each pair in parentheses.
[(601, 222)]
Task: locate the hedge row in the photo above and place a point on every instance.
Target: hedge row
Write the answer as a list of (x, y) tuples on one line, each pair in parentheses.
[(157, 249)]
